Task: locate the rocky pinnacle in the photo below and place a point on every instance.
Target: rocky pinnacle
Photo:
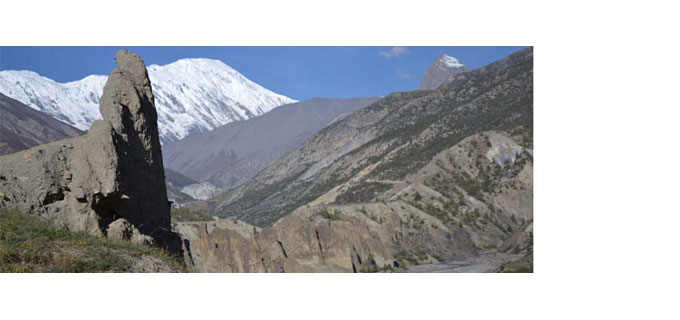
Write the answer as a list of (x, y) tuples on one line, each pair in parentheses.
[(114, 173)]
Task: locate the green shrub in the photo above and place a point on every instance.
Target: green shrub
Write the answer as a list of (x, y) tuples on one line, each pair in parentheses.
[(402, 256), (326, 214)]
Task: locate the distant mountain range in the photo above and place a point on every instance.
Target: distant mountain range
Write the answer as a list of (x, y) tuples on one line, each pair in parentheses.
[(369, 155), (441, 174), (440, 71), (232, 154), (22, 127), (192, 96), (419, 177)]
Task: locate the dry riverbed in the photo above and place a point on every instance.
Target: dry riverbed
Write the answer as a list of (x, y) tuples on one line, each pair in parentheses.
[(484, 263)]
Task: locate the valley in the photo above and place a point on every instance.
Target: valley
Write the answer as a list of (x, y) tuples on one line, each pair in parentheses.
[(392, 184), (438, 179)]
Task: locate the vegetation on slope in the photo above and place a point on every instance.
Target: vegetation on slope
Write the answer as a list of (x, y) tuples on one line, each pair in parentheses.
[(406, 130), (28, 244), (363, 192), (523, 265)]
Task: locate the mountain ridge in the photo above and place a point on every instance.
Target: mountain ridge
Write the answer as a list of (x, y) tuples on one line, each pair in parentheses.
[(22, 127), (385, 141), (433, 177), (233, 153), (193, 95)]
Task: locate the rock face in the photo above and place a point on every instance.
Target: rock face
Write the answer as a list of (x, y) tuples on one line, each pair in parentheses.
[(348, 238), (114, 173)]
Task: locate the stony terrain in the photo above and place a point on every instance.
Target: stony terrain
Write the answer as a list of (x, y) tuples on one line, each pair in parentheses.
[(22, 127), (485, 262), (108, 182)]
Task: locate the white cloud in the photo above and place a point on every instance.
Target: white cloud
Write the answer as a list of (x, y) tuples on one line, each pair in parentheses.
[(394, 52), (403, 75)]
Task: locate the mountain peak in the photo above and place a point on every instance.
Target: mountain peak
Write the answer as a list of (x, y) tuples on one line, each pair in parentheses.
[(450, 61), (192, 95), (440, 70)]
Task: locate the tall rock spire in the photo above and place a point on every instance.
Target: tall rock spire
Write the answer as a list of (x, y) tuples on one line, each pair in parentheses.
[(109, 182)]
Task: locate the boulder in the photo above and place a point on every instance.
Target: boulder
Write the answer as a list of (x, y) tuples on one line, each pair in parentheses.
[(120, 229)]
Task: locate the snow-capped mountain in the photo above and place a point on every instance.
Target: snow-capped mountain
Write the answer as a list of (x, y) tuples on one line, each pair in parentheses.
[(441, 70), (192, 96), (450, 61)]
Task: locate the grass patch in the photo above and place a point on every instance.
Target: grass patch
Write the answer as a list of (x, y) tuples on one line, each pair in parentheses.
[(28, 244)]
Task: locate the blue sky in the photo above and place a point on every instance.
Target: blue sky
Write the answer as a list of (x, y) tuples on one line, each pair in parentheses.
[(298, 72)]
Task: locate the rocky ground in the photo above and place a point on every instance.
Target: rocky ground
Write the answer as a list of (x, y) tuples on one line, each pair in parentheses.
[(483, 263)]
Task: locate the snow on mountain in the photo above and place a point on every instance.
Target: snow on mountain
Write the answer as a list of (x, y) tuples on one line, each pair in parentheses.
[(440, 70), (192, 96), (450, 61), (75, 103)]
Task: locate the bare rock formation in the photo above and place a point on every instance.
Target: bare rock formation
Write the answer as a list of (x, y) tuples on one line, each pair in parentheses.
[(345, 238), (113, 173)]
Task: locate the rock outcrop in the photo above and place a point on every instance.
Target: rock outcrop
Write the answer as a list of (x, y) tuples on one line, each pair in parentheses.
[(108, 181), (347, 238)]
